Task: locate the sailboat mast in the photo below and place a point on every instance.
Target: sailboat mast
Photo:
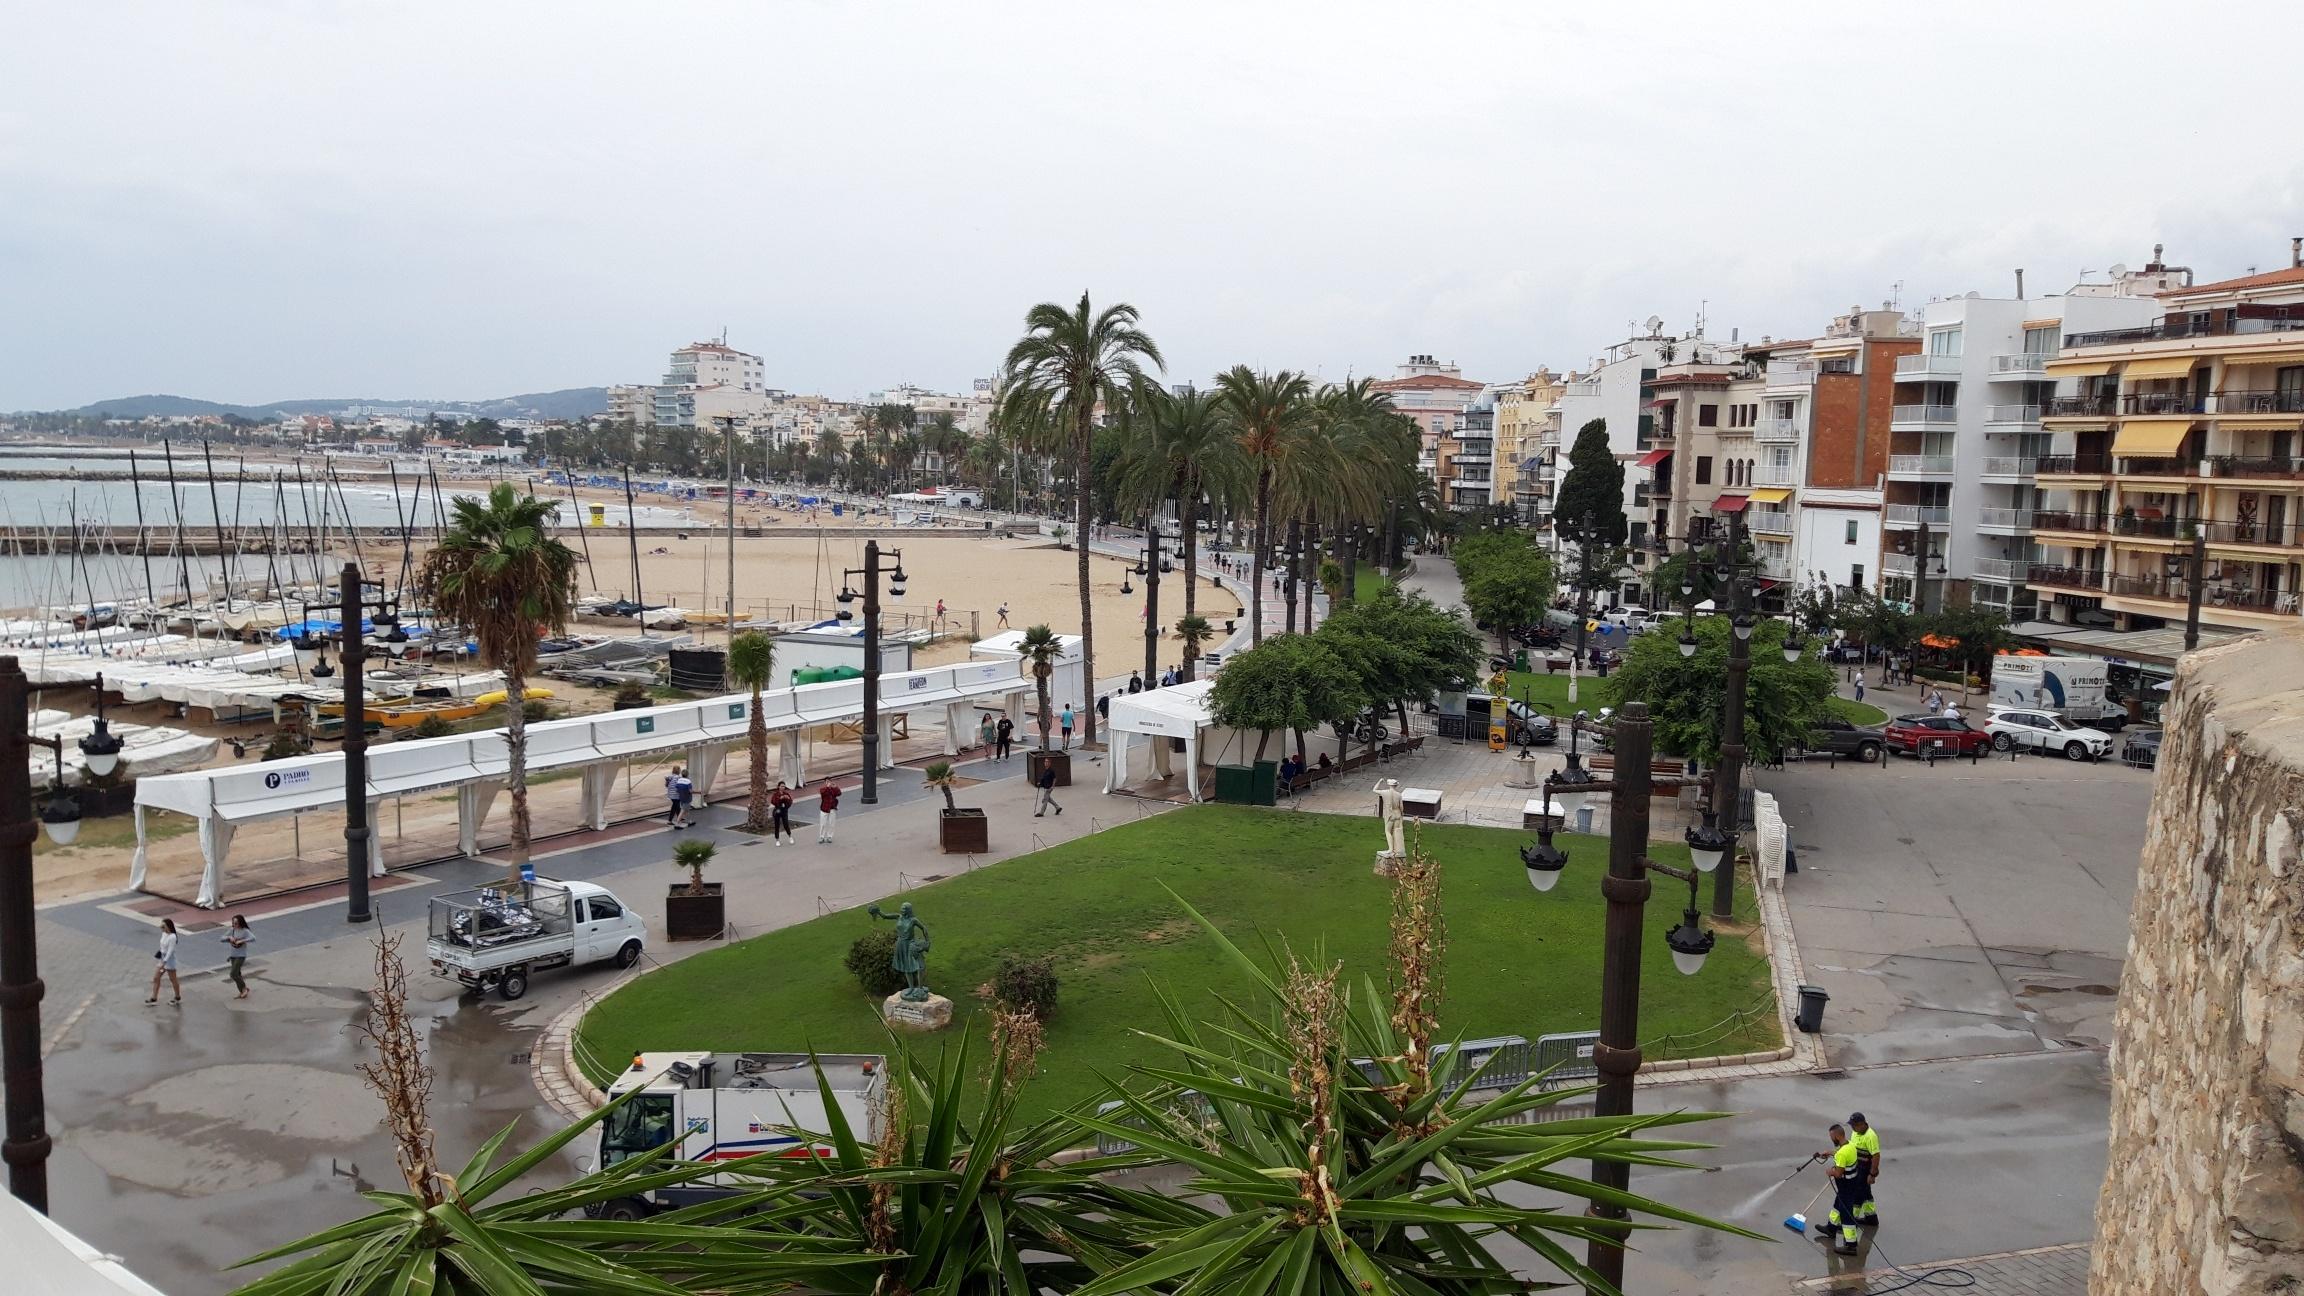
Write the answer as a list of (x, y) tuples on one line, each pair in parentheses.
[(176, 502), (143, 545), (632, 529)]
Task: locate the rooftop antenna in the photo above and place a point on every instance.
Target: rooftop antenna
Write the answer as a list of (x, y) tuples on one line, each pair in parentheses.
[(1701, 304), (1896, 297)]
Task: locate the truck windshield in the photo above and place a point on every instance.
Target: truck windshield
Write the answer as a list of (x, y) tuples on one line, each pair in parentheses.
[(638, 1127)]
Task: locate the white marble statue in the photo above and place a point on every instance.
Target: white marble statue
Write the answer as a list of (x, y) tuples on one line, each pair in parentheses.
[(1388, 806)]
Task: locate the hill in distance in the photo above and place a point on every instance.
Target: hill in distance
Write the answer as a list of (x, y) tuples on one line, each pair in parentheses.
[(569, 403)]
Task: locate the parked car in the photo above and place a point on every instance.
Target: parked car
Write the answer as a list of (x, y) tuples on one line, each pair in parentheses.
[(2046, 731), (2142, 749), (1837, 737), (1530, 727), (1914, 734), (1630, 617)]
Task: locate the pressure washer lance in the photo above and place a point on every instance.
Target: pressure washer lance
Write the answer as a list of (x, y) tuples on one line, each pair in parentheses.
[(1797, 1221)]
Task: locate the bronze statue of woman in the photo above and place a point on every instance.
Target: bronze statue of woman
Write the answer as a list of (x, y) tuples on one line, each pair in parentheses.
[(911, 955)]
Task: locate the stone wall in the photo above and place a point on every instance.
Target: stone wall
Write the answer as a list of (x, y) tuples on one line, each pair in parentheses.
[(2204, 1195)]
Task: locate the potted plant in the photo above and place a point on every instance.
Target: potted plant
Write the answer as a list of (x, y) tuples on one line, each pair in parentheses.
[(958, 831), (1041, 648), (694, 910)]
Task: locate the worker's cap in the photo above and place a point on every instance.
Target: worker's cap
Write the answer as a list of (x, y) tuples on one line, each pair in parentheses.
[(1857, 1118)]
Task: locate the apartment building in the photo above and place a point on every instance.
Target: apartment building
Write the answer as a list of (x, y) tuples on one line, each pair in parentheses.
[(704, 382), (1828, 401), (1467, 457), (1967, 434), (1527, 432), (1616, 389), (2185, 425), (1701, 464), (1435, 395)]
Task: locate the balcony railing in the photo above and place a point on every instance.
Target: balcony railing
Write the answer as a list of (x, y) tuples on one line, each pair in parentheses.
[(1769, 474), (1763, 522), (2060, 520), (2004, 519), (1897, 564), (2023, 364), (1791, 373), (2002, 466), (1919, 465), (2215, 325), (2004, 570), (2260, 402), (2077, 578), (1934, 368), (1925, 414), (2288, 535), (2073, 465), (2168, 402), (2091, 406), (2246, 466), (2156, 466), (2012, 414), (1914, 514), (2215, 594), (1777, 430)]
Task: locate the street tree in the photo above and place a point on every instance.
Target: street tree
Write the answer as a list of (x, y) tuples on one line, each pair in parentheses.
[(1783, 701), (1402, 648), (1292, 683), (1589, 510)]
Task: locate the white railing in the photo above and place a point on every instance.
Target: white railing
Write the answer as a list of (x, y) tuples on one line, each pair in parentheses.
[(1791, 373), (1900, 564), (1584, 387), (1933, 367), (2005, 519), (1915, 514), (2012, 414), (1764, 522), (1777, 429), (2002, 466), (1776, 568), (1919, 465), (2023, 363), (1925, 414), (1768, 474), (2005, 570)]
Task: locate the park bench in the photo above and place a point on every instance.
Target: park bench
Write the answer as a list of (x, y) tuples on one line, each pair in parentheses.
[(1660, 767), (1555, 665)]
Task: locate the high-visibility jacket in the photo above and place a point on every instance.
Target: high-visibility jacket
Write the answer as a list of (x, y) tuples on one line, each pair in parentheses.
[(1867, 1145)]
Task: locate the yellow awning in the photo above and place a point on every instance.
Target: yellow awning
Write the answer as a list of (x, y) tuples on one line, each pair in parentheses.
[(2159, 367), (2081, 368), (2266, 358), (2154, 438), (1770, 495)]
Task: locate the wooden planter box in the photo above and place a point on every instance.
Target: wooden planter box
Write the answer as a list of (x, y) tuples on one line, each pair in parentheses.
[(1035, 760), (964, 832), (695, 917)]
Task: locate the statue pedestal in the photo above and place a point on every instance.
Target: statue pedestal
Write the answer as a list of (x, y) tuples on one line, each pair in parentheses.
[(1387, 863), (923, 1017), (1523, 773)]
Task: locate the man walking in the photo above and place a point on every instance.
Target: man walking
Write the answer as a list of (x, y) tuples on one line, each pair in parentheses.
[(677, 790), (1064, 722), (1847, 1173), (1003, 614), (1047, 799), (1859, 688), (1867, 1142), (1003, 736), (1135, 681), (827, 805)]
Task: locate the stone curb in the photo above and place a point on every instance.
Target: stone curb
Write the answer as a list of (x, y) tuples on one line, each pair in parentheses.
[(552, 1064)]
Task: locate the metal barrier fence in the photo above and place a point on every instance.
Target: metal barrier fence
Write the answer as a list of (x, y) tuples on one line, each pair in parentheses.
[(1566, 1058)]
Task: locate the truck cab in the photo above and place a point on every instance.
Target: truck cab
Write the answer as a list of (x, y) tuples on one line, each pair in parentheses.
[(496, 937)]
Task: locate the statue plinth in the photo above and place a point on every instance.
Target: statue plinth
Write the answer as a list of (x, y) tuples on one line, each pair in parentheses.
[(919, 1016), (1388, 862), (1523, 773)]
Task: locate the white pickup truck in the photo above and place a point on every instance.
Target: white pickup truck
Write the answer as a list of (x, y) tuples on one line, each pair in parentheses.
[(496, 937)]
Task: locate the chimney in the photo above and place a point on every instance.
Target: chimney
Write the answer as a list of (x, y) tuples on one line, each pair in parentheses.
[(2155, 267), (2019, 283), (2296, 252)]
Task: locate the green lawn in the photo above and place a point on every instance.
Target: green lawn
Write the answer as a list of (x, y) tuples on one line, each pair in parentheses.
[(1549, 692), (1369, 581), (1517, 962), (1859, 713)]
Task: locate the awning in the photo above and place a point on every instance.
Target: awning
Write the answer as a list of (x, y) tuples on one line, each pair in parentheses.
[(2081, 368), (1938, 641), (2159, 367), (2153, 438), (2265, 358), (1655, 457), (1771, 495), (1731, 503), (1650, 406)]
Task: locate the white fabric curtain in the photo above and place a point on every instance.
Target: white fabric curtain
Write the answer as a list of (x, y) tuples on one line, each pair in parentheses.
[(473, 801), (136, 864), (215, 844)]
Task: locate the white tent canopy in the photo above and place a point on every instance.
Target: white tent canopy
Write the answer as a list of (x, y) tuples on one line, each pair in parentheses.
[(1156, 716), (475, 764), (44, 1259)]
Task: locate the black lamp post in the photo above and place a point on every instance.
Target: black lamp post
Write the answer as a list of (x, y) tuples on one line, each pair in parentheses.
[(1148, 567), (353, 608), (1627, 886), (871, 574)]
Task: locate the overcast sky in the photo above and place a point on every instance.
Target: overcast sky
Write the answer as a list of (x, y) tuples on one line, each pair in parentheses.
[(252, 202)]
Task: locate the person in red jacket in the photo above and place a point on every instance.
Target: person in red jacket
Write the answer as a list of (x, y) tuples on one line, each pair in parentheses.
[(827, 803)]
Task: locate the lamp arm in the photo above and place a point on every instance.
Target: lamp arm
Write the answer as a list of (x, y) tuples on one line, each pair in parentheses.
[(1688, 876)]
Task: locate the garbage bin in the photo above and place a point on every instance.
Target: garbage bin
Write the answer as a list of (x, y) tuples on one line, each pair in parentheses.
[(1811, 1017), (1520, 660)]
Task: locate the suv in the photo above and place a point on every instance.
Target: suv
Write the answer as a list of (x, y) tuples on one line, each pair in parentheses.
[(2046, 731), (1840, 738), (1920, 732), (1630, 618)]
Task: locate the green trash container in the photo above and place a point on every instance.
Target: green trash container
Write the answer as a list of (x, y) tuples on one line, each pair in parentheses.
[(1233, 783), (1520, 660), (1265, 786)]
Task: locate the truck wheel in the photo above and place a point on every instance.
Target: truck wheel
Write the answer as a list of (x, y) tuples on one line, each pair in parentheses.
[(514, 985), (2075, 751), (1868, 752), (628, 955), (2002, 742), (626, 1210)]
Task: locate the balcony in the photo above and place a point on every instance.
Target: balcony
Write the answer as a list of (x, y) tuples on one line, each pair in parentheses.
[(2246, 466), (2213, 596), (2017, 416), (1781, 431), (1776, 474), (2006, 571), (2074, 465), (2024, 366), (2071, 578), (1898, 564), (2258, 533), (2215, 325), (2163, 403), (2260, 402), (1764, 522), (2004, 521), (1922, 416), (1791, 373), (1920, 467), (1928, 368), (2059, 520), (1776, 567), (2092, 406), (1907, 516), (2005, 469), (2155, 466)]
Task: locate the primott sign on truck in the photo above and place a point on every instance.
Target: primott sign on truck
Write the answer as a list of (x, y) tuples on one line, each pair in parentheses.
[(2072, 687)]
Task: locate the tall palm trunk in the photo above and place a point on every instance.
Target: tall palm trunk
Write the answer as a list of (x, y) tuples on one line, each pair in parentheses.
[(758, 815), (1085, 512), (1256, 560), (1188, 515), (516, 766)]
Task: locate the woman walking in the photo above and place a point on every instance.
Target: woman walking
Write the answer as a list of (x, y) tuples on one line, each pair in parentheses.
[(166, 954), (236, 938), (780, 804)]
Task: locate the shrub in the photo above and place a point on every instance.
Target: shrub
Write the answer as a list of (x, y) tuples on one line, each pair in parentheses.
[(432, 726), (1026, 985), (536, 709), (632, 693), (285, 745), (869, 961)]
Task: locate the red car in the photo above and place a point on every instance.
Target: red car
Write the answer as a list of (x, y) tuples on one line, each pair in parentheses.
[(1914, 734)]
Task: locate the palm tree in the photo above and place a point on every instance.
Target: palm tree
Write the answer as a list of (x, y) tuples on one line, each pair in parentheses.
[(1041, 647), (939, 775), (1066, 364), (1269, 414), (694, 854), (1195, 631), (1181, 448), (499, 572), (752, 663)]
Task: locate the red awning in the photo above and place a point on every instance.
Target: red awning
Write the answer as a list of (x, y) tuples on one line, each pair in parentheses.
[(1655, 457), (1654, 405), (1766, 583), (1730, 503)]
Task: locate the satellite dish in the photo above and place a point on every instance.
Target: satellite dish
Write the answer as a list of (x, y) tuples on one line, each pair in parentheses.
[(1655, 322), (2118, 269)]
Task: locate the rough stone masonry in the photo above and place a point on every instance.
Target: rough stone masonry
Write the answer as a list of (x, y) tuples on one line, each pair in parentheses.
[(2204, 1195)]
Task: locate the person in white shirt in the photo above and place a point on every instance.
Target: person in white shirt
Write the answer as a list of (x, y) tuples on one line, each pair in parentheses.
[(166, 955)]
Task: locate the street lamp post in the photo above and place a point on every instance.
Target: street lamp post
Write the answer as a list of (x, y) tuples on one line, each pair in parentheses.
[(1626, 888), (2192, 567), (26, 1146), (1728, 771), (1149, 569), (871, 574), (353, 605)]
